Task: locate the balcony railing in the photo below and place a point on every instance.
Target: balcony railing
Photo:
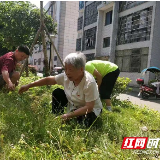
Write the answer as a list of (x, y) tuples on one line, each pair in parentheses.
[(80, 21), (91, 13), (135, 27), (78, 44), (89, 40), (124, 5)]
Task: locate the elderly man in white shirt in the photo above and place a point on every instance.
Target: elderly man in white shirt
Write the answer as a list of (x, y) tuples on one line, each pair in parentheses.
[(80, 94)]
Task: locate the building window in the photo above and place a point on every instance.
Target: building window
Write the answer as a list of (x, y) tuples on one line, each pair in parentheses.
[(108, 18), (78, 44), (39, 61), (89, 57), (133, 60), (40, 48), (48, 45), (35, 47), (91, 13), (55, 58), (124, 5), (35, 61), (106, 42), (81, 5), (89, 39), (51, 10), (80, 21), (135, 27)]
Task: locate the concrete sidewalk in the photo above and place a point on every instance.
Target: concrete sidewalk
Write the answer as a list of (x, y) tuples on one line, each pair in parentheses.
[(151, 103)]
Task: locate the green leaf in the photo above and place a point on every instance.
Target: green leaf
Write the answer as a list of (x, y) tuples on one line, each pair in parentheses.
[(19, 22)]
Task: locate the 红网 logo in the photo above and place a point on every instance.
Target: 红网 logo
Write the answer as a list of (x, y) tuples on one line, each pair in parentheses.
[(139, 142)]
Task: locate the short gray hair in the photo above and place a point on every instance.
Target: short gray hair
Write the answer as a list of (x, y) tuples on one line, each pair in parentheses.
[(77, 60)]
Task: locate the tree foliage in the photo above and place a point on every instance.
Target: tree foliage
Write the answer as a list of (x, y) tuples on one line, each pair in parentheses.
[(3, 50), (19, 22)]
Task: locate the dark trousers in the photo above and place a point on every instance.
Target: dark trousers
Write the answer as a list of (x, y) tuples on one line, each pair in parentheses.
[(59, 101), (2, 81), (108, 83)]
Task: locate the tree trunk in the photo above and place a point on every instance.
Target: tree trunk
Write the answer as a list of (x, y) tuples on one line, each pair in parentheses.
[(52, 57), (46, 70), (26, 68)]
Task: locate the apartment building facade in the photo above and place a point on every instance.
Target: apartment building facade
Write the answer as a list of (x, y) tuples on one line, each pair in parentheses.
[(126, 33), (65, 14)]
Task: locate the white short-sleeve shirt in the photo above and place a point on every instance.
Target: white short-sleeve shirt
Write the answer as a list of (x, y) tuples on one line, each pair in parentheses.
[(86, 91)]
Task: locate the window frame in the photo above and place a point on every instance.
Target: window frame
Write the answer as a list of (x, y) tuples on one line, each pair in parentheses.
[(106, 38), (110, 18)]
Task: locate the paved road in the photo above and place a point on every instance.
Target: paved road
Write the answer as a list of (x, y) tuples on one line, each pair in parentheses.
[(151, 103)]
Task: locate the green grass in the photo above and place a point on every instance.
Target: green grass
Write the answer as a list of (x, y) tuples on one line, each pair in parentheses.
[(29, 131)]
